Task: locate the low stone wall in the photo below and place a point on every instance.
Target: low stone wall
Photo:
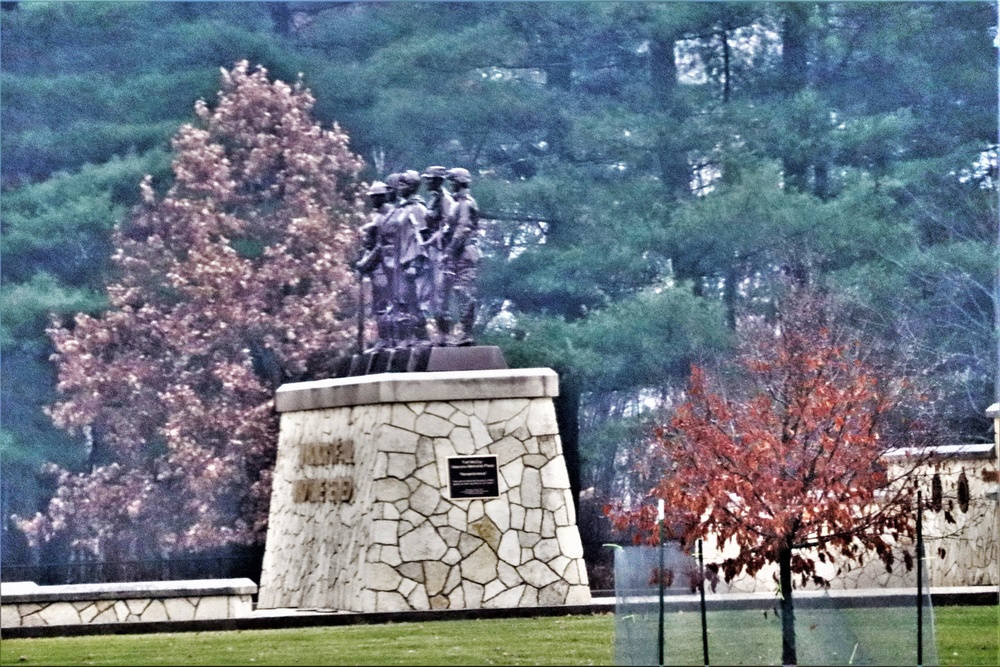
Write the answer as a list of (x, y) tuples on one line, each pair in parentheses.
[(26, 604), (961, 526), (365, 515)]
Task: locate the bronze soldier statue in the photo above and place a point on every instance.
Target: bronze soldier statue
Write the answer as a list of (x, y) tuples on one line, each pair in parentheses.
[(370, 264), (410, 265), (461, 257), (440, 208)]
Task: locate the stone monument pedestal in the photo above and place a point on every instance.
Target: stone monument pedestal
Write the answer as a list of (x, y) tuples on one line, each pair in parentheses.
[(416, 491)]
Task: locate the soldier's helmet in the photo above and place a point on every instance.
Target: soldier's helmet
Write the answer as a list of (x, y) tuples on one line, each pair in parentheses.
[(409, 177), (459, 175), (434, 172), (392, 181), (377, 188)]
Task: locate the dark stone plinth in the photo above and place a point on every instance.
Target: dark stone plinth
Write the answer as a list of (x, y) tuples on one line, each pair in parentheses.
[(418, 359), (422, 358), (475, 358), (359, 365), (343, 367), (399, 360), (380, 361)]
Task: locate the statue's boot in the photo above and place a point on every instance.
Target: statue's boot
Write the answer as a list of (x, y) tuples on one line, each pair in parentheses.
[(468, 317), (443, 330), (384, 328), (419, 329)]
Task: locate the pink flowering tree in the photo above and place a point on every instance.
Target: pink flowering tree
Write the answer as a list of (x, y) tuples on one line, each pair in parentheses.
[(233, 280)]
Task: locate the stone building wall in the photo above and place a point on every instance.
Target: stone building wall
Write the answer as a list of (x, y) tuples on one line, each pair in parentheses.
[(362, 517)]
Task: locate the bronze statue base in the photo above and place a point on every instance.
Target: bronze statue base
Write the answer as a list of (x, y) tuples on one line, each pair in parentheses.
[(420, 359)]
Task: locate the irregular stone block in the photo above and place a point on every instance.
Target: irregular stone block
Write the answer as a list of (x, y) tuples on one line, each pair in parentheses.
[(156, 611), (508, 575), (137, 606), (507, 449), (433, 426), (468, 543), (547, 550), (535, 460), (554, 475), (443, 409), (498, 510), (553, 594), (434, 576), (462, 441), (454, 580), (492, 589), (457, 519), (531, 489), (407, 586), (578, 595), (384, 532), (9, 616), (516, 517), (423, 543), (548, 524), (503, 411), (88, 613), (390, 489), (537, 574), (425, 451), (542, 418), (477, 511), (569, 541), (212, 606), (533, 521), (59, 613), (428, 474), (480, 434), (425, 500), (382, 577), (401, 465), (179, 609), (403, 417), (473, 594), (480, 566), (418, 599), (392, 439), (390, 601)]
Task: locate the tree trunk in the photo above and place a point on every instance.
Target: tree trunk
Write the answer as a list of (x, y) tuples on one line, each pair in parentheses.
[(795, 76), (788, 656), (674, 169)]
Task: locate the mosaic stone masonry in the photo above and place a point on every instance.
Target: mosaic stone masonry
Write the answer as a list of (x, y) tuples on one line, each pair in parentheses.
[(26, 604), (398, 541)]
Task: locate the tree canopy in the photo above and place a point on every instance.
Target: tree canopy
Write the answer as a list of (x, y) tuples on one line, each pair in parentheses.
[(647, 173), (232, 281)]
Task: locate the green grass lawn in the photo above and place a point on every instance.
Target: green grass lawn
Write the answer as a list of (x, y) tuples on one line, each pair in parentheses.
[(966, 636)]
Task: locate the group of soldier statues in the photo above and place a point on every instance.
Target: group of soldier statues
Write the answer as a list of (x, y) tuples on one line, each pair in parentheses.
[(421, 257)]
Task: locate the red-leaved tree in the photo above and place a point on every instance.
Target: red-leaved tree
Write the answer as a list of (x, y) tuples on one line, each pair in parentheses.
[(786, 459), (232, 281)]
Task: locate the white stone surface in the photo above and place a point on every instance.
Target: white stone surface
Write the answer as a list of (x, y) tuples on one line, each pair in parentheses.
[(402, 541)]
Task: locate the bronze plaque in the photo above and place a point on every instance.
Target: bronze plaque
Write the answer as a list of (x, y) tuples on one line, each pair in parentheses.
[(473, 477)]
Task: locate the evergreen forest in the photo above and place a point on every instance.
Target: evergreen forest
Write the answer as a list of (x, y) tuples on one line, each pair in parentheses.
[(648, 173)]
